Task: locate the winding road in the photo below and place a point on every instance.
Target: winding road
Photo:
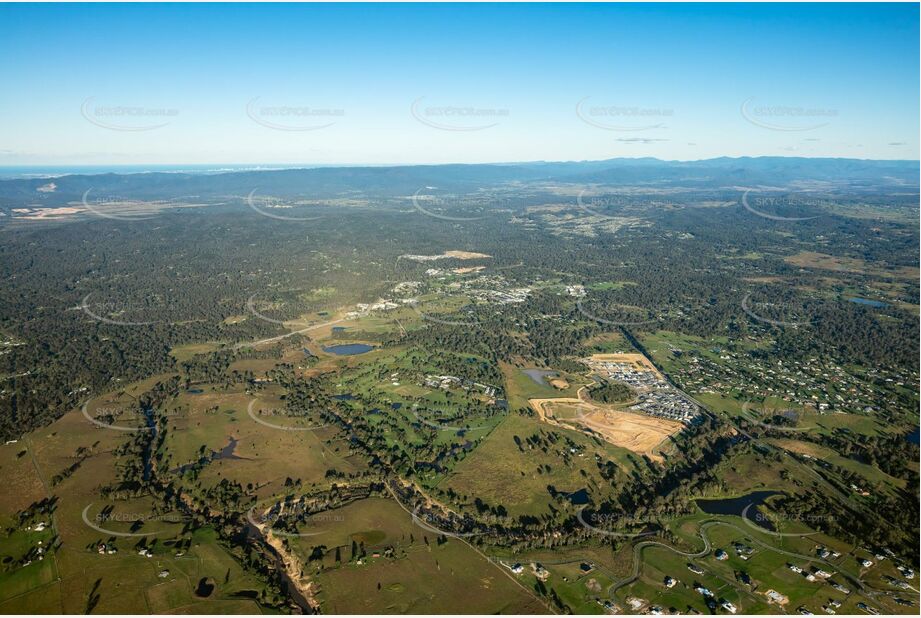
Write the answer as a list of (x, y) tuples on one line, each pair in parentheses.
[(638, 548)]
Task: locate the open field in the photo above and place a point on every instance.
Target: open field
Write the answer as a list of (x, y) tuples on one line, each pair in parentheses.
[(872, 474), (520, 387), (209, 420), (421, 576), (606, 343), (75, 577), (448, 579), (501, 472), (375, 523), (187, 351), (822, 261)]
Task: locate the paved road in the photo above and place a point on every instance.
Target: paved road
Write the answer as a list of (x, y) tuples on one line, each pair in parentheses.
[(859, 584)]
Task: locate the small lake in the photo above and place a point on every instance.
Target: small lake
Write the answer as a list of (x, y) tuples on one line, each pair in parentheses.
[(539, 376), (868, 302), (913, 436), (735, 506), (344, 397), (226, 452), (348, 349)]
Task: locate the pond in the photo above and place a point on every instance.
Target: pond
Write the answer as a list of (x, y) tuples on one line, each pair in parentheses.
[(226, 452), (348, 349), (868, 302), (913, 436), (735, 506), (205, 587), (538, 376)]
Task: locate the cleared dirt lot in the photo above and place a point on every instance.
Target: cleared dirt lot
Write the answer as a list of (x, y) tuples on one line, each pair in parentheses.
[(640, 433), (465, 255), (637, 432)]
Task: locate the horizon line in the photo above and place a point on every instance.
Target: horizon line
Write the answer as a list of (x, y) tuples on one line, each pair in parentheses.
[(263, 166)]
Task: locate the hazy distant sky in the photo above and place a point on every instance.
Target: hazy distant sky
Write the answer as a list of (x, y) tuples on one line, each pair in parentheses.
[(454, 83)]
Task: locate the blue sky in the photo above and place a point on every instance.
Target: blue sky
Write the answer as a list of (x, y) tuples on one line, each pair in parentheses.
[(321, 84)]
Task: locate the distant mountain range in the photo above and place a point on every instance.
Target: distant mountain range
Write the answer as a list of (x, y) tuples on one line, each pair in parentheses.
[(854, 174)]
